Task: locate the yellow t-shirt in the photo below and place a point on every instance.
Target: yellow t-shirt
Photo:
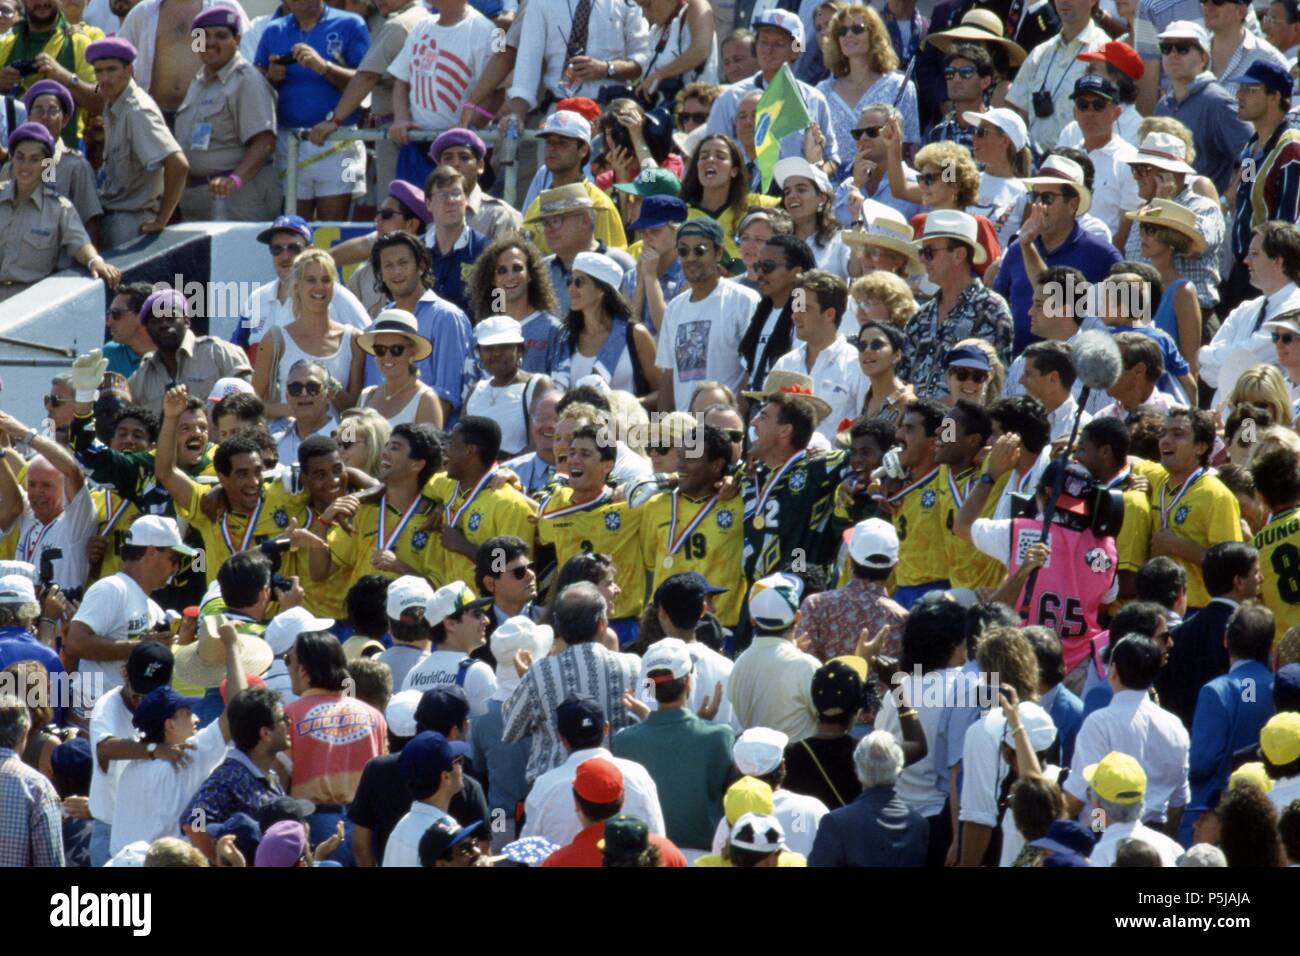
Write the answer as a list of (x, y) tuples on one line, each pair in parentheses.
[(115, 516), (922, 555), (326, 598), (711, 548), (609, 222), (968, 566), (728, 221), (1279, 562), (1203, 512), (278, 507), (354, 550), (599, 527), (80, 38), (492, 513)]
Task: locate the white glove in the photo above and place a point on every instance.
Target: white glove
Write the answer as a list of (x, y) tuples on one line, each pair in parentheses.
[(890, 466), (87, 372)]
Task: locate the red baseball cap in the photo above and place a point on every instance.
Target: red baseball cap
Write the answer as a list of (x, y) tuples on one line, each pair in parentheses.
[(598, 781), (252, 679), (1119, 55), (588, 109)]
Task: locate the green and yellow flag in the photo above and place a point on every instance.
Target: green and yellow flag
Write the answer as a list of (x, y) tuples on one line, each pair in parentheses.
[(780, 112)]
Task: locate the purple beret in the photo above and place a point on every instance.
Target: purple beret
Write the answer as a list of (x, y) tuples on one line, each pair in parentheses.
[(458, 137), (412, 197), (50, 88), (217, 16), (111, 48), (164, 302), (34, 132)]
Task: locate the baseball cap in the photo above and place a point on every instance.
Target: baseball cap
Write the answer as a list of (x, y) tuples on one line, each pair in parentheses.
[(407, 592), (245, 829), (659, 210), (1067, 836), (1037, 723), (229, 386), (782, 20), (1280, 739), (598, 781), (285, 224), (759, 832), (625, 835), (567, 123), (1286, 684), (1094, 84), (1005, 120), (285, 627), (158, 532), (281, 808), (160, 705), (584, 106), (966, 356), (669, 654), (426, 757), (17, 589), (580, 721), (798, 166), (652, 182), (705, 226), (499, 330), (746, 795), (836, 689), (759, 751), (599, 266), (1253, 773), (774, 602), (1268, 75), (149, 666), (400, 713), (1187, 30), (283, 844), (442, 837), (1117, 778), (1119, 55), (873, 543), (441, 708), (451, 599)]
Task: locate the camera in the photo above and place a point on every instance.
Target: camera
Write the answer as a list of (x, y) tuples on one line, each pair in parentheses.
[(25, 67), (283, 59), (273, 549), (1043, 106), (616, 134), (281, 584)]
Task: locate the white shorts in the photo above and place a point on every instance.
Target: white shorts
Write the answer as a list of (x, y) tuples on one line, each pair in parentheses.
[(341, 170)]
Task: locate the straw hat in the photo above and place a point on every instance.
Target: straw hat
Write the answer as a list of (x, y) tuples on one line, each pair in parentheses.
[(203, 663), (558, 201), (396, 322), (979, 26), (1171, 215), (791, 383), (896, 237)]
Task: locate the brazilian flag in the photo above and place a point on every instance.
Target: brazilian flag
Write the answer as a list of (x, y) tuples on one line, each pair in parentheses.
[(780, 112)]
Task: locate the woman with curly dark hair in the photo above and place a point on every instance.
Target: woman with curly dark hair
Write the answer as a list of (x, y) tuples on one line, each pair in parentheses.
[(1248, 828), (511, 279)]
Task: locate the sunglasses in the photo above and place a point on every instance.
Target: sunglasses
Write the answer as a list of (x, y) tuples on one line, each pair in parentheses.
[(345, 445), (872, 345), (929, 252), (1286, 338), (978, 376), (520, 572), (394, 350), (1182, 48), (1149, 229), (983, 131), (387, 214), (446, 196), (965, 72), (699, 250), (279, 250), (1088, 104), (311, 388), (577, 281), (871, 132), (734, 435), (114, 314), (765, 267), (928, 179), (857, 29), (54, 401), (1047, 199), (691, 116)]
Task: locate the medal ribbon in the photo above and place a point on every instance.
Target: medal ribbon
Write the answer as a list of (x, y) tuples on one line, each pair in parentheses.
[(574, 509), (386, 542), (770, 485), (1187, 485), (675, 543), (113, 515), (29, 549), (959, 494), (248, 532), (453, 520), (1119, 479)]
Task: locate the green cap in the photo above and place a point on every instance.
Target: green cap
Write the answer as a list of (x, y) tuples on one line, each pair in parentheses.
[(652, 182), (624, 835), (705, 226)]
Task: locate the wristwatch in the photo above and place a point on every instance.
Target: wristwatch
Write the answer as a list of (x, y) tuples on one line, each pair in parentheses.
[(153, 751), (75, 80), (609, 70), (987, 479)]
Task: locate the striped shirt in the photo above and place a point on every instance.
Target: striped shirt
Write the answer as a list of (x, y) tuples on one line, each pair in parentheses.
[(31, 819), (1202, 270)]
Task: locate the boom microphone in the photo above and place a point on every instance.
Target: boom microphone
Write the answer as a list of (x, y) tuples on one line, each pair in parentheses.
[(1097, 360)]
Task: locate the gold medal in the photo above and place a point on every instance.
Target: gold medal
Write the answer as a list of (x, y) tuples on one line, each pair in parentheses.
[(759, 523), (668, 561)]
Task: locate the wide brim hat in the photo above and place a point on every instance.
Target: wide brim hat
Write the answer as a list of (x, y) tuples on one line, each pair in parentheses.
[(979, 26), (395, 322), (1085, 194), (889, 235), (203, 663), (558, 201), (791, 383), (1155, 150), (1171, 215), (953, 224)]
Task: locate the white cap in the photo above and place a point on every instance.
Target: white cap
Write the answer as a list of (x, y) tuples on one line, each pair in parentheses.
[(954, 224), (798, 166), (873, 543), (23, 568), (669, 654), (768, 834), (499, 330), (593, 381), (514, 634), (782, 20), (285, 627), (17, 589), (774, 601), (229, 386), (759, 751), (1008, 121), (567, 123), (1035, 720), (1187, 30), (159, 532), (599, 266), (1164, 151), (407, 592), (400, 712), (450, 599)]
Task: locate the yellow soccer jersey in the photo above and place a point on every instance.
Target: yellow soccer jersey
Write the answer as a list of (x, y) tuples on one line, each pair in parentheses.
[(229, 533), (478, 517), (1203, 512), (711, 547), (599, 527), (115, 515), (326, 598), (1278, 543), (1152, 471), (968, 567), (921, 551), (409, 539)]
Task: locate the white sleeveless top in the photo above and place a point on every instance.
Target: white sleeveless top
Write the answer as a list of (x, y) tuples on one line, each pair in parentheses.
[(339, 364), (677, 43), (580, 366), (506, 407), (406, 416)]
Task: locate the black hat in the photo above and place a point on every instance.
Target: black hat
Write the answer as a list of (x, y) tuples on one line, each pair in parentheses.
[(580, 721), (283, 808), (836, 689), (685, 591), (441, 838), (1094, 84), (625, 836), (441, 708), (149, 666)]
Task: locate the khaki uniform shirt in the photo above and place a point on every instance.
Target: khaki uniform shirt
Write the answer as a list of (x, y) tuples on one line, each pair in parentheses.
[(383, 50), (34, 232), (200, 361), (137, 142), (220, 114), (74, 178), (491, 216)]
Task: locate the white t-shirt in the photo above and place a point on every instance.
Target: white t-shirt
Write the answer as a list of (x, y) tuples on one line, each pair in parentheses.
[(400, 658), (154, 793), (116, 609), (108, 718), (67, 534), (443, 667), (441, 65), (505, 406), (700, 341)]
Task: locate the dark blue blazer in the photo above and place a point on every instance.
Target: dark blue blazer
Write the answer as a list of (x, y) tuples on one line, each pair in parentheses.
[(1198, 656), (876, 829)]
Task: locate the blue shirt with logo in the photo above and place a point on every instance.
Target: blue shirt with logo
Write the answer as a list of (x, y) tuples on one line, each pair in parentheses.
[(306, 98)]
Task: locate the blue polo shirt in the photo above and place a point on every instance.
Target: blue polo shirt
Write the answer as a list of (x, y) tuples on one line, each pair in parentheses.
[(452, 368), (451, 269), (1091, 255), (121, 358), (305, 98), (1175, 364)]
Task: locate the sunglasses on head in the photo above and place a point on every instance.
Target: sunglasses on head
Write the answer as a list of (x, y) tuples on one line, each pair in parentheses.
[(872, 345), (857, 29), (1286, 338), (965, 72), (976, 375), (699, 250), (1181, 47), (691, 116), (394, 350), (311, 388), (1085, 104), (279, 250), (871, 132), (929, 252), (1047, 199), (765, 267)]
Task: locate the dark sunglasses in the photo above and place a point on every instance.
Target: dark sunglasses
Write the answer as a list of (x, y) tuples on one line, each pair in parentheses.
[(1089, 104), (691, 116), (872, 345), (577, 281), (982, 131), (1286, 338), (279, 250), (1149, 228), (965, 72), (699, 250), (520, 572), (114, 314), (1168, 48), (345, 445), (394, 350), (387, 214), (871, 132), (734, 435), (311, 388), (54, 401), (978, 376), (857, 29), (928, 179), (765, 267), (929, 252), (1047, 199)]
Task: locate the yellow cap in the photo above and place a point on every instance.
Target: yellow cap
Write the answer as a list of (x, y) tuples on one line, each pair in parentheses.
[(1117, 778), (1280, 739), (857, 664), (747, 795), (1252, 773)]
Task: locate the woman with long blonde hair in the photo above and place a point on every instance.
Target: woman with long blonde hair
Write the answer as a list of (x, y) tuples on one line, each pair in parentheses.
[(361, 436), (1263, 385)]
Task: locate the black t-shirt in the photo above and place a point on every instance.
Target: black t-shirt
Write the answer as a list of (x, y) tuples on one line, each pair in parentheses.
[(835, 754), (382, 800)]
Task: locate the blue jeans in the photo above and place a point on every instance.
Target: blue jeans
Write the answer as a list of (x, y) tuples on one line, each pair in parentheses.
[(101, 834), (321, 826)]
